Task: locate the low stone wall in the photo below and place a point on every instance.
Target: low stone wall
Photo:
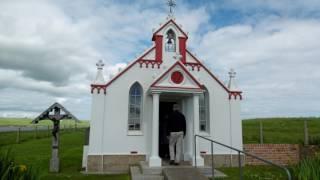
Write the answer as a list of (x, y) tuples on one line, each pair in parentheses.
[(112, 163), (284, 154)]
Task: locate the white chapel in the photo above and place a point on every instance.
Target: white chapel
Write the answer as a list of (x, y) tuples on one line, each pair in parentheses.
[(129, 111)]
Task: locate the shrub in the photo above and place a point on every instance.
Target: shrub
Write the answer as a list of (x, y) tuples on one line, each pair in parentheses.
[(314, 140), (308, 168), (9, 170)]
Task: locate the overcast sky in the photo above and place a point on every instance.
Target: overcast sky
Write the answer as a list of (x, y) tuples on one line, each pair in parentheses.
[(48, 49)]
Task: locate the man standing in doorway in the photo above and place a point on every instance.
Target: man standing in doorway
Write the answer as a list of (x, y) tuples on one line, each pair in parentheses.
[(176, 131)]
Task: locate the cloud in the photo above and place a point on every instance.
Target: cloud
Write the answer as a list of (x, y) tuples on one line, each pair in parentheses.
[(38, 40), (276, 61), (49, 48), (296, 8)]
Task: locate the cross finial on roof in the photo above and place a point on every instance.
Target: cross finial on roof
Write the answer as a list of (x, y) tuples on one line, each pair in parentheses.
[(232, 73), (100, 64), (171, 4)]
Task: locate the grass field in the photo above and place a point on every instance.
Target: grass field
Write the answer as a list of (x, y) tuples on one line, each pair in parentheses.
[(255, 173), (27, 122), (35, 151), (279, 130), (275, 130)]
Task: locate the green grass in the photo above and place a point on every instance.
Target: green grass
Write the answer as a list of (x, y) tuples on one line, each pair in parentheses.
[(8, 138), (279, 130), (37, 152), (254, 173), (27, 122)]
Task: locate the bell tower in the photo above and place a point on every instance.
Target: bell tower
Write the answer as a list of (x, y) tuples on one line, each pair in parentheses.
[(170, 40)]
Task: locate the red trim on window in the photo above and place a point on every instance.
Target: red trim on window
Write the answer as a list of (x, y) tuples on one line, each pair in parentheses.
[(164, 25), (158, 43), (183, 68), (182, 48)]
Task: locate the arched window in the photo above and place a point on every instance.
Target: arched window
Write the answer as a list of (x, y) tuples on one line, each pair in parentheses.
[(135, 107), (170, 45), (204, 123)]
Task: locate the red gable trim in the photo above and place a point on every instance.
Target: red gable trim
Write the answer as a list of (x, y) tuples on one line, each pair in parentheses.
[(144, 54), (198, 61), (170, 87), (235, 94), (98, 87), (231, 93), (93, 86), (154, 34), (205, 68), (183, 68)]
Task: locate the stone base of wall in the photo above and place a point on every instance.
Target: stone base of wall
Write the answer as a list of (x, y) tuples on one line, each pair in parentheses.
[(284, 154), (223, 160), (112, 163)]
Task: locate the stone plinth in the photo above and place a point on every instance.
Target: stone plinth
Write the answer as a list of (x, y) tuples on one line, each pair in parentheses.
[(111, 164)]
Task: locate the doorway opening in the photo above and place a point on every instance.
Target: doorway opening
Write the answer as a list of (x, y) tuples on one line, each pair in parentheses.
[(165, 109)]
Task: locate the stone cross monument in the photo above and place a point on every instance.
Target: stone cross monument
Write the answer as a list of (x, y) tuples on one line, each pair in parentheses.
[(55, 113)]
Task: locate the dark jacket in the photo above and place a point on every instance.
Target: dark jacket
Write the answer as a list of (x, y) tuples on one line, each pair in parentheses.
[(176, 123)]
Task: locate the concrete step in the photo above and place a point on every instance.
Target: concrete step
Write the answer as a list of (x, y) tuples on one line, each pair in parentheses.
[(136, 174), (207, 171), (150, 170), (181, 173)]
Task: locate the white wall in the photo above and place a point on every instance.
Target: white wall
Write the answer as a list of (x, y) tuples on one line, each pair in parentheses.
[(97, 119), (225, 125), (113, 126)]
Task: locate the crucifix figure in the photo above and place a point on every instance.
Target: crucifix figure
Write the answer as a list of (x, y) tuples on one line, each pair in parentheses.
[(55, 113)]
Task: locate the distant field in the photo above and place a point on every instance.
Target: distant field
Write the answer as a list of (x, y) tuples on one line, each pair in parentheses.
[(27, 122), (275, 130), (279, 130)]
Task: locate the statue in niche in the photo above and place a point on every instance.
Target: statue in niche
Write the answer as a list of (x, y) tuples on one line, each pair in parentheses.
[(170, 45)]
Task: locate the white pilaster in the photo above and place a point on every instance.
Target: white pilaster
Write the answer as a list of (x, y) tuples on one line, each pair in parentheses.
[(154, 160), (200, 161)]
